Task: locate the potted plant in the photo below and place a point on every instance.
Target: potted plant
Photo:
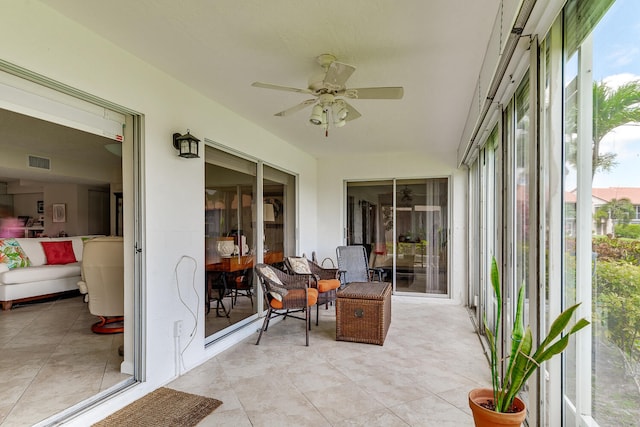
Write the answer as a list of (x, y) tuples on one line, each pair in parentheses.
[(500, 405)]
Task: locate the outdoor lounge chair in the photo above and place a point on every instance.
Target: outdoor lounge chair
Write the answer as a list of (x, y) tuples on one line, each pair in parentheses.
[(354, 265)]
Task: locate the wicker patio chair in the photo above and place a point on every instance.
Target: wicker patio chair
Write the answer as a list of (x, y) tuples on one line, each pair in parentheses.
[(354, 265), (285, 294), (325, 280)]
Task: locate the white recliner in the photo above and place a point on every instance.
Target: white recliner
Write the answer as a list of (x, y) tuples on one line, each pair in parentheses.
[(103, 280)]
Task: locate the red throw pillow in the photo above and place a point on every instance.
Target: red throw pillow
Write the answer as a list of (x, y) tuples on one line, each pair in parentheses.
[(59, 252)]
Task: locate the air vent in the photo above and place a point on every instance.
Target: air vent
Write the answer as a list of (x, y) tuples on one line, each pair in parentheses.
[(39, 162)]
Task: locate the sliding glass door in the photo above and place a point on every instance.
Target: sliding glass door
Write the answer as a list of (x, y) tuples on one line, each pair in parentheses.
[(240, 232), (403, 225)]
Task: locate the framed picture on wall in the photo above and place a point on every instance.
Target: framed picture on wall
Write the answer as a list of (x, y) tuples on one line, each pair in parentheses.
[(59, 212), (40, 206)]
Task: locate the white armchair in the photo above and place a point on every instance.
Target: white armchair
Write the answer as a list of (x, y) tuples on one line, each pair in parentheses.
[(103, 282)]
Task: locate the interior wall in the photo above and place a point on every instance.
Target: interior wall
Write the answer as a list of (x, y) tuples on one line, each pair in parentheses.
[(27, 204), (173, 226), (66, 194)]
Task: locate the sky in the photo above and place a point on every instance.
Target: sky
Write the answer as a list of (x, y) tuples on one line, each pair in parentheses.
[(616, 60)]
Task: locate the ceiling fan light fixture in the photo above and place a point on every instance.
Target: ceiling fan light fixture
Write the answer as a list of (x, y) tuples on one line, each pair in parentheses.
[(326, 86), (341, 112), (317, 115)]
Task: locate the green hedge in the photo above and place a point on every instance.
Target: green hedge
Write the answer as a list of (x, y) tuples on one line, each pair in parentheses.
[(629, 231), (618, 299)]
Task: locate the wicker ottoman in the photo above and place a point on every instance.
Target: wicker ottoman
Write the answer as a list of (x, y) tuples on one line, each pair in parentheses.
[(363, 312)]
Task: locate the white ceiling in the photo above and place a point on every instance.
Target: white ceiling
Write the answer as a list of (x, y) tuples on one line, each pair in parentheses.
[(434, 49)]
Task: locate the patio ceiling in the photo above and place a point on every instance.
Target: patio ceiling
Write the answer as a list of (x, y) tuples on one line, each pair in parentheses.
[(434, 49)]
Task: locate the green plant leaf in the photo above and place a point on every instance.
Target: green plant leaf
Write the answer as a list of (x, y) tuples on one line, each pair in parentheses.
[(558, 326), (518, 368), (517, 332), (495, 374), (556, 348), (495, 282), (579, 325)]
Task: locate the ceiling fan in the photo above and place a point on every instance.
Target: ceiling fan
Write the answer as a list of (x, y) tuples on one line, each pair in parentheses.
[(328, 88)]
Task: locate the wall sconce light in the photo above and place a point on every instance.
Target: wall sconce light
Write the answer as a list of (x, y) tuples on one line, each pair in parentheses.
[(186, 144)]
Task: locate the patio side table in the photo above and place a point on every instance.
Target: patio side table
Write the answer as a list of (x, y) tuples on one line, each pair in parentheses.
[(363, 312)]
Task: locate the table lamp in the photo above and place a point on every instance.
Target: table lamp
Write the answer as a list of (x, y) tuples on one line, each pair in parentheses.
[(268, 216)]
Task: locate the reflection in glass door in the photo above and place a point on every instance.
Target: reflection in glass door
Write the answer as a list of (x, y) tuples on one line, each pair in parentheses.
[(370, 222), (230, 240), (403, 225), (278, 213)]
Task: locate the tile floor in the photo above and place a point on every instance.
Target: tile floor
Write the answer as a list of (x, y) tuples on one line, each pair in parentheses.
[(50, 360), (420, 377)]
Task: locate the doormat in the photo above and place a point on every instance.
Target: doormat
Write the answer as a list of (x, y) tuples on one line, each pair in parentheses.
[(163, 407)]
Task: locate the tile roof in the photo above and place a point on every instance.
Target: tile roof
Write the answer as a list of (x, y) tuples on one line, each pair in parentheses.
[(608, 194)]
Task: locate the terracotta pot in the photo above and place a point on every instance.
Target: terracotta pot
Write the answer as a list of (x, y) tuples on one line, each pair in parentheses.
[(484, 417)]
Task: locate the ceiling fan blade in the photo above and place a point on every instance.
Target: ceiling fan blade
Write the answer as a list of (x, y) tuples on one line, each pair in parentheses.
[(353, 113), (337, 75), (296, 108), (374, 93), (277, 87)]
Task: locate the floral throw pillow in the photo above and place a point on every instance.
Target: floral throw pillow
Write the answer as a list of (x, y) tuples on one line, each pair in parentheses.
[(299, 265), (12, 255)]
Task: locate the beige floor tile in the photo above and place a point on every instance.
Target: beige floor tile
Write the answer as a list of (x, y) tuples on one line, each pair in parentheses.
[(343, 401), (432, 411), (27, 413), (230, 418), (420, 377), (383, 418), (392, 389), (317, 376), (287, 409)]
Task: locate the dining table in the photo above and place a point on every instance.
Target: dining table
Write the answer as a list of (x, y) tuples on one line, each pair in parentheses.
[(224, 273)]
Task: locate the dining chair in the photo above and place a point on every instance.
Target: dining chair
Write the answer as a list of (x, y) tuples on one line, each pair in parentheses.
[(325, 280), (242, 285), (353, 265), (284, 295)]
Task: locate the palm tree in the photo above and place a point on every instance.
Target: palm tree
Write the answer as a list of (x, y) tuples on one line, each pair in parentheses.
[(620, 211), (612, 108)]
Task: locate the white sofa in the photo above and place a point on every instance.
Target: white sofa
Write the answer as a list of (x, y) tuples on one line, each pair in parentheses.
[(40, 280)]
